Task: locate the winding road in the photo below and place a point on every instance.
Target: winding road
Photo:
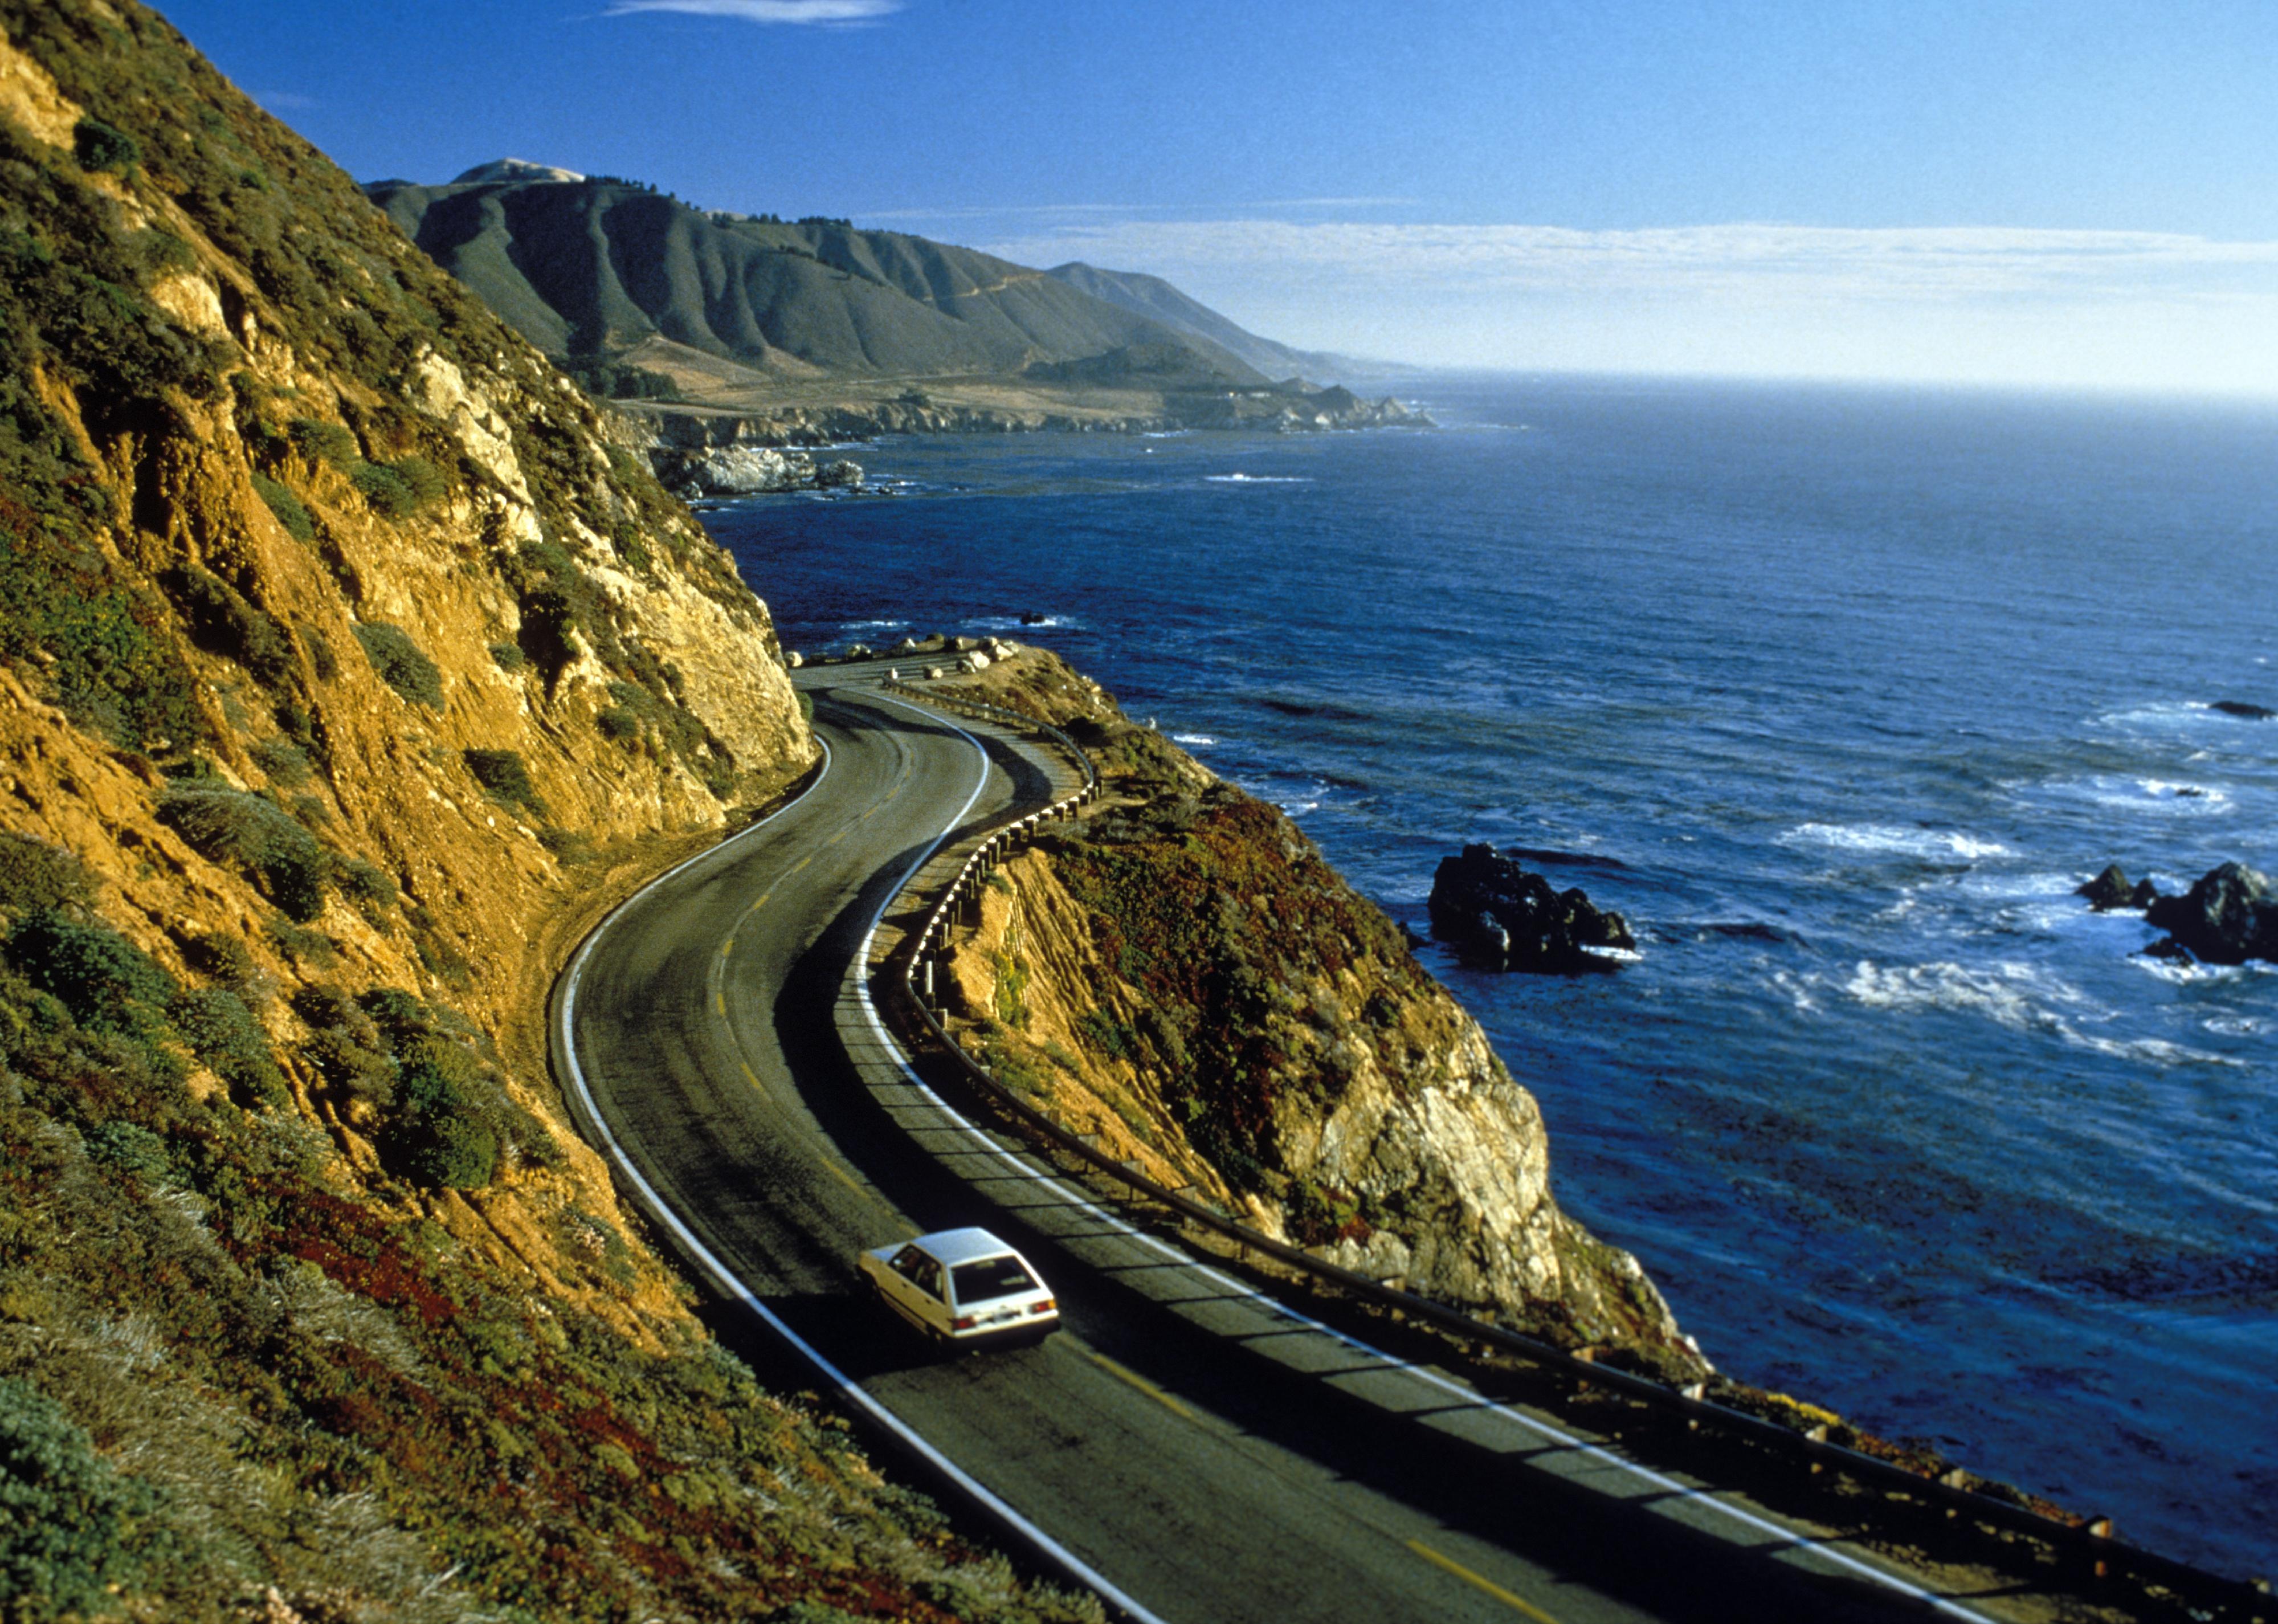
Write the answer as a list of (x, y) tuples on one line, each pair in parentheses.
[(1192, 1449)]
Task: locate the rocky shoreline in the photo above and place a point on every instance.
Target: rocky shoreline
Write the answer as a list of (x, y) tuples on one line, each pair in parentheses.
[(690, 447)]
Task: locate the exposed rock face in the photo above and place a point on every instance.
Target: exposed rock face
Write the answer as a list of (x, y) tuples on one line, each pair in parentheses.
[(1182, 975), (2110, 890), (746, 471), (1497, 914), (345, 675), (2229, 915)]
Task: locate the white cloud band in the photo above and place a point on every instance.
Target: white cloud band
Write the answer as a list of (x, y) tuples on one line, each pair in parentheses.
[(1901, 263), (824, 11)]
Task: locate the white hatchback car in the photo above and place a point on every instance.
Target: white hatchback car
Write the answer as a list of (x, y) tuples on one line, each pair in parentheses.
[(963, 1287)]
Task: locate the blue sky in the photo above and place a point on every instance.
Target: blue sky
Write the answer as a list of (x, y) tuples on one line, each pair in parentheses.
[(2082, 193)]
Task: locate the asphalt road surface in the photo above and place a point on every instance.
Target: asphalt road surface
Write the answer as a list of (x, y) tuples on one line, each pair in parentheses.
[(1196, 1449)]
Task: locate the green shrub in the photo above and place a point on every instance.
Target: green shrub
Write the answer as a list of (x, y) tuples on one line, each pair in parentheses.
[(506, 776), (318, 441), (35, 875), (290, 510), (306, 946), (509, 656), (222, 622), (106, 981), (616, 722), (326, 664), (258, 839), (1106, 1034), (98, 146), (68, 1520), (401, 663), (222, 1033), (438, 1134), (370, 888), (385, 490), (422, 478), (286, 762), (570, 848), (133, 1149), (226, 959)]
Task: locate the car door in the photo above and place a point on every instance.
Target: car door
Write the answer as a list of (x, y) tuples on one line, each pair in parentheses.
[(913, 1284)]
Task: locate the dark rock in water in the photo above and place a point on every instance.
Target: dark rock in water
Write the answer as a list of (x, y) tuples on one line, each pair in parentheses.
[(2190, 792), (1031, 619), (2241, 710), (1495, 913), (2110, 890), (2166, 947), (2229, 915)]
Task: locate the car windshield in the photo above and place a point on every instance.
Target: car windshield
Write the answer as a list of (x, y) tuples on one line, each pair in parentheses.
[(991, 1277)]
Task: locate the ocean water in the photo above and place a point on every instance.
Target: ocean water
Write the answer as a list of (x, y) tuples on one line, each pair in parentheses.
[(1836, 693)]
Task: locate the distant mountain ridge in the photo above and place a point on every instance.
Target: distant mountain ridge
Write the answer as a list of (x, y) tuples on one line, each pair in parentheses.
[(1152, 296), (588, 268)]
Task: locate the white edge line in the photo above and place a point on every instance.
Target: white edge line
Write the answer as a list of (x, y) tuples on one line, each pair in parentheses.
[(1787, 1537), (725, 1279)]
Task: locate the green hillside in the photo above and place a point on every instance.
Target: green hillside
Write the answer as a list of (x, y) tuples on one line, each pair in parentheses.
[(1158, 300), (588, 268)]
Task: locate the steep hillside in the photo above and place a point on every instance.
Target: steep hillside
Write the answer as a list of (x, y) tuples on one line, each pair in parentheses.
[(345, 673), (1181, 974), (1151, 297), (590, 268)]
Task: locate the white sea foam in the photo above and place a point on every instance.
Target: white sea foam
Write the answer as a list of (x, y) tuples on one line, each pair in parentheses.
[(2015, 996), (2185, 972), (1192, 739), (1797, 990), (1298, 809), (1014, 624), (1896, 841), (870, 625), (1244, 479)]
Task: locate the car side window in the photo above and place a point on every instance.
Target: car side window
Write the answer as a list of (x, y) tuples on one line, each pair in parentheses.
[(920, 1268)]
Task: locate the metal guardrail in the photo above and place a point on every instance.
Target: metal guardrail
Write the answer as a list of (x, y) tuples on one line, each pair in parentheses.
[(2089, 1541)]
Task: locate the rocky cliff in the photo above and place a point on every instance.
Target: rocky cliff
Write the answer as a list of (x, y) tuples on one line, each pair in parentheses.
[(1181, 974), (346, 672)]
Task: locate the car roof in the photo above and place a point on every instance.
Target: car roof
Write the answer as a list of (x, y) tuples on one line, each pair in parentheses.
[(955, 1246)]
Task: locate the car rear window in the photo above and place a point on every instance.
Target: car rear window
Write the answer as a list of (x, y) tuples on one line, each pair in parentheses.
[(991, 1277)]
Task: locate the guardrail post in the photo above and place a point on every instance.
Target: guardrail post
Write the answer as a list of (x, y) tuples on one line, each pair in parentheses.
[(929, 986)]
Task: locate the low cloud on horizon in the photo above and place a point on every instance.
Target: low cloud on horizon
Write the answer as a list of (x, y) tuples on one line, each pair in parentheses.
[(773, 12), (2069, 307)]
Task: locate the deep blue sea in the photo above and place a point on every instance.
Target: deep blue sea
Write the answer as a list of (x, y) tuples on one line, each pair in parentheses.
[(1836, 693)]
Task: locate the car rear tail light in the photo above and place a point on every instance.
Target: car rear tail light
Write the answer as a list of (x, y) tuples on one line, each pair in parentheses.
[(1047, 1306), (964, 1322)]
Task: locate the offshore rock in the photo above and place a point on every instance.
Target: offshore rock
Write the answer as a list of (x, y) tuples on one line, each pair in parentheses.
[(2110, 890), (1497, 914), (751, 471), (2243, 711), (2229, 915)]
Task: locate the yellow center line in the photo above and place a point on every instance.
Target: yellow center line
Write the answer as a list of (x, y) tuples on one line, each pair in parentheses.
[(727, 947), (847, 1179), (1480, 1581), (1140, 1382), (720, 1003), (801, 863), (762, 903), (753, 1077)]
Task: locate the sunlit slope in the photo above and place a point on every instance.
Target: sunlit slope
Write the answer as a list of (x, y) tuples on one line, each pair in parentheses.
[(592, 267)]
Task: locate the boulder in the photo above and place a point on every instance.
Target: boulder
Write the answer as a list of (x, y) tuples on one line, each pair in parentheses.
[(840, 475), (2242, 710), (2228, 915), (1497, 915), (794, 659), (2110, 890)]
